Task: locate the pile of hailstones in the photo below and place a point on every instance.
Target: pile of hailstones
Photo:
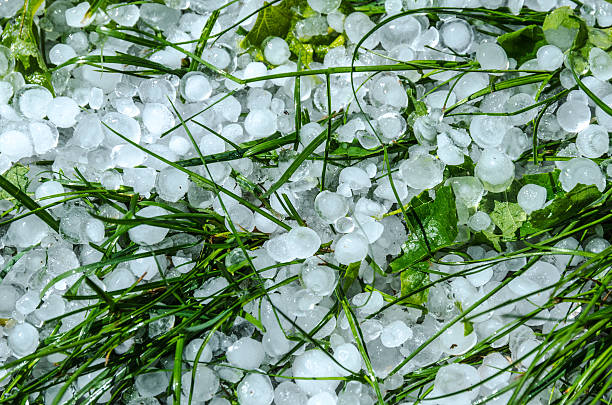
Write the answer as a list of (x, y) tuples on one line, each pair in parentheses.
[(72, 131)]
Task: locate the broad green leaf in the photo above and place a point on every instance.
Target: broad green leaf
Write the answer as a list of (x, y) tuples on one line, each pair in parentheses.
[(439, 221), (488, 238), (508, 217), (300, 49), (562, 207), (19, 37), (17, 176), (272, 21), (414, 279), (564, 29), (601, 37), (522, 44)]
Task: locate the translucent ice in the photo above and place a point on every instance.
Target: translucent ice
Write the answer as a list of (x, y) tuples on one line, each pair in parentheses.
[(573, 116), (245, 353), (593, 141), (351, 248), (330, 206), (395, 334), (23, 339), (495, 170), (255, 389), (581, 171), (276, 50), (147, 234), (315, 363), (531, 197), (422, 172)]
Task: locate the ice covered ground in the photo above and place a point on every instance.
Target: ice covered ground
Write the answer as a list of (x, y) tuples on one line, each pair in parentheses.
[(332, 257)]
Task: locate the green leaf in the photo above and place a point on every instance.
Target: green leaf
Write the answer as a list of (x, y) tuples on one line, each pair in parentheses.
[(564, 29), (508, 217), (300, 49), (601, 37), (439, 220), (562, 207), (17, 176), (522, 44), (415, 279), (19, 37), (488, 238), (272, 21)]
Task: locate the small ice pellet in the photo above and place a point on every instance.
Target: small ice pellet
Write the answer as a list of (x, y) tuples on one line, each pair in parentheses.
[(255, 389), (491, 56), (195, 87), (573, 116), (61, 53), (593, 141), (23, 339), (276, 50), (62, 111), (245, 353), (479, 221), (395, 334), (495, 170), (531, 197), (324, 6), (76, 16), (549, 57)]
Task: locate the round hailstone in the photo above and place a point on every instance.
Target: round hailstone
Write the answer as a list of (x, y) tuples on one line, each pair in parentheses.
[(172, 184), (255, 389), (603, 118), (355, 177), (122, 124), (319, 280), (495, 170), (126, 15), (32, 101), (488, 132), (324, 6), (581, 171), (8, 298), (205, 384), (260, 123), (470, 83), (600, 64), (119, 279), (454, 340), (479, 221), (549, 57), (422, 172), (195, 87), (77, 16), (22, 339), (15, 145), (348, 355), (573, 116), (254, 70), (276, 50), (288, 393), (303, 241), (62, 112), (330, 206), (494, 368), (147, 234), (245, 353), (518, 102), (193, 348), (395, 334), (593, 141), (351, 248), (27, 231), (531, 197), (356, 26), (60, 53), (126, 156), (344, 225), (315, 363), (242, 218), (539, 275), (456, 34), (457, 377), (491, 56), (157, 118), (279, 248)]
